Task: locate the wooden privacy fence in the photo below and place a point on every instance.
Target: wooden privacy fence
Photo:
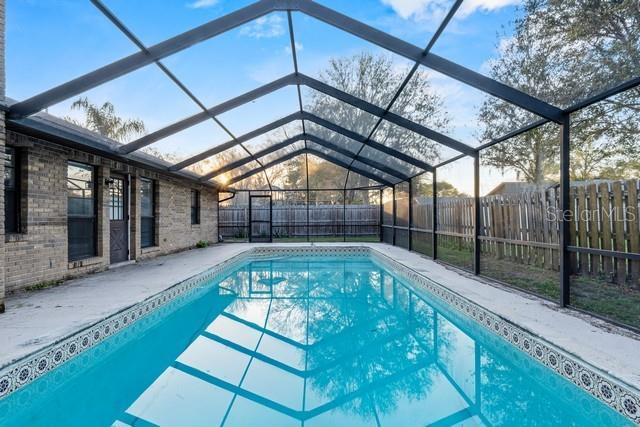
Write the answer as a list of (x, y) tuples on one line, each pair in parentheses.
[(524, 227), (291, 220)]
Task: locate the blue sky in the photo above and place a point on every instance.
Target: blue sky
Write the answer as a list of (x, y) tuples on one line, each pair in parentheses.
[(52, 41)]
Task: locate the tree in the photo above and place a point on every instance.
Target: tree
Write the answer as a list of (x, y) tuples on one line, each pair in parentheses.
[(376, 80), (423, 186), (104, 120), (563, 51)]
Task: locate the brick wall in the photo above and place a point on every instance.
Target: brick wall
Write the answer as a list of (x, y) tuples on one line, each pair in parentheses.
[(39, 252), (2, 142)]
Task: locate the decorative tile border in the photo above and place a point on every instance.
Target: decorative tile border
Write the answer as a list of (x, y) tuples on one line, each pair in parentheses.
[(615, 394), (26, 370), (620, 397), (270, 251)]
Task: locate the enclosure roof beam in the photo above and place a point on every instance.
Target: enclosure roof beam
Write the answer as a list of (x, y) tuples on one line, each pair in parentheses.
[(289, 156), (266, 166), (309, 117), (264, 7), (294, 79), (356, 157), (435, 62), (142, 58), (338, 162), (391, 117), (129, 34), (241, 162), (202, 116), (301, 137), (232, 143), (366, 141)]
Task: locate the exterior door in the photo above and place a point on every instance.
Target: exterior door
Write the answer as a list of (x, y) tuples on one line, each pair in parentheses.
[(260, 218), (119, 220)]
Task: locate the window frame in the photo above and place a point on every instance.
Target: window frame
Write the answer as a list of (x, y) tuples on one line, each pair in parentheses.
[(94, 216), (153, 241), (16, 192), (195, 207)]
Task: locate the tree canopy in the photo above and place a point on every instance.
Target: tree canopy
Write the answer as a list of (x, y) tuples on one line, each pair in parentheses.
[(104, 120), (373, 78), (564, 51)]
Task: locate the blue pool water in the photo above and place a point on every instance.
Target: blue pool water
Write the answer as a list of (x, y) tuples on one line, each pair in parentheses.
[(304, 341)]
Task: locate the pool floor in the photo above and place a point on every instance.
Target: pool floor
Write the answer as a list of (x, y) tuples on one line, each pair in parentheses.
[(313, 341)]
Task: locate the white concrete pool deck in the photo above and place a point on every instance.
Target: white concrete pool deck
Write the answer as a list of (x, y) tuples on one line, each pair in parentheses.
[(36, 319)]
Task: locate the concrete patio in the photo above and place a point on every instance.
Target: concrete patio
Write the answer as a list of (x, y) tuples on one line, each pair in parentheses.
[(36, 319)]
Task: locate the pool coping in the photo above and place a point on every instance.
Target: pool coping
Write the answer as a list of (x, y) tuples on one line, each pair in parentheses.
[(615, 393)]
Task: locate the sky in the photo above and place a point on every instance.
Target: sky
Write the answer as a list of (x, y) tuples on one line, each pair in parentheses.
[(52, 41)]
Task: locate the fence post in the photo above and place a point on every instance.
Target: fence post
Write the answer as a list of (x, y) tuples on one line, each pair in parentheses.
[(217, 217), (434, 213), (565, 261), (476, 212), (393, 223), (380, 217), (249, 227), (271, 217)]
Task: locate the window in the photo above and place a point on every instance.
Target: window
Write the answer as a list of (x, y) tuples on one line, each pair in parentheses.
[(117, 200), (147, 217), (195, 207), (81, 211), (11, 191)]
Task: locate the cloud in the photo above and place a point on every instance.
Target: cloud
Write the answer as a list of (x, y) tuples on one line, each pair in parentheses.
[(417, 9), (470, 6), (202, 4), (264, 27), (428, 10), (299, 48)]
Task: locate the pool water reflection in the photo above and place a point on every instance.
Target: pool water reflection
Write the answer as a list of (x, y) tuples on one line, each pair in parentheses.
[(315, 342)]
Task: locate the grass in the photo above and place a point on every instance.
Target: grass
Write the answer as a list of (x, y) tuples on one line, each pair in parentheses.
[(617, 302), (533, 279), (459, 258), (44, 285), (593, 294)]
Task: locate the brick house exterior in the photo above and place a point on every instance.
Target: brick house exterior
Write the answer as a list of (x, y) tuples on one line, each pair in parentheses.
[(38, 252), (2, 143)]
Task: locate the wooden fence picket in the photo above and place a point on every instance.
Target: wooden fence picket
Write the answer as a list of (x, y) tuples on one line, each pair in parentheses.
[(516, 227)]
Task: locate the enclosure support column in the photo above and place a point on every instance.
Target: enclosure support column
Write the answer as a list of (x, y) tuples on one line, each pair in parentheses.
[(410, 242), (380, 217), (308, 211), (344, 215), (218, 217), (434, 214), (249, 219), (393, 240), (476, 213), (565, 211)]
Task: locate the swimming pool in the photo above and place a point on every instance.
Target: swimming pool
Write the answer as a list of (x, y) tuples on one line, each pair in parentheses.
[(281, 338)]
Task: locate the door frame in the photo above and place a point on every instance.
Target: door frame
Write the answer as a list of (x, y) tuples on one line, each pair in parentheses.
[(251, 221), (126, 205)]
